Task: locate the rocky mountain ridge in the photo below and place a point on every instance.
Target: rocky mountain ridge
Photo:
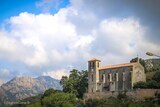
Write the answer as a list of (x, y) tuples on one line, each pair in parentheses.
[(152, 64), (22, 87)]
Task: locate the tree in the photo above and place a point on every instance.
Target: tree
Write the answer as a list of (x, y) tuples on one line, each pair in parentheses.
[(48, 93), (76, 83), (150, 84), (37, 104), (83, 83), (141, 61), (70, 84), (140, 85), (60, 99), (153, 84), (156, 76)]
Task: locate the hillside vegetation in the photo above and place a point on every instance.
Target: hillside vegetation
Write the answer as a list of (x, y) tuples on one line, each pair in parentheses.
[(75, 85), (72, 95)]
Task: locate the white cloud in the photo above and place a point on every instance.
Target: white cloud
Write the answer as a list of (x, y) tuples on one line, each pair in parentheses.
[(71, 37), (83, 42), (57, 74), (6, 74), (1, 82), (39, 34), (122, 35), (120, 39), (43, 40), (47, 5)]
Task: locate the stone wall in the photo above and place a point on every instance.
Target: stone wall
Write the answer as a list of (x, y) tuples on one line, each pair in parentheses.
[(146, 93), (139, 94), (100, 95)]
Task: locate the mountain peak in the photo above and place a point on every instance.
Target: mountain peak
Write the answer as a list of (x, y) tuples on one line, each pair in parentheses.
[(46, 78), (25, 86)]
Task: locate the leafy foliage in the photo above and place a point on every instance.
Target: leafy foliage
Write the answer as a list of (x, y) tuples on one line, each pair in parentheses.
[(156, 76), (122, 95), (49, 92), (154, 62), (114, 102), (141, 61), (32, 99), (154, 69), (37, 104), (153, 83), (140, 85), (157, 98), (150, 85), (76, 83), (59, 99), (1, 103), (55, 98)]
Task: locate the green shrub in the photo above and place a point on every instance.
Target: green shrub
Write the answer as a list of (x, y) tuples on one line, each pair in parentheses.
[(104, 102), (37, 104), (80, 103), (153, 84), (140, 85), (156, 76), (60, 99), (122, 95)]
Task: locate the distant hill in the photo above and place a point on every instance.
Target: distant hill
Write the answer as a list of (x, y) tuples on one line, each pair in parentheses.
[(23, 87), (1, 83), (152, 64)]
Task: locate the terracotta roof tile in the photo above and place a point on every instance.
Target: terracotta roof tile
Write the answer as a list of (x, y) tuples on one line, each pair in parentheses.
[(94, 59), (117, 66)]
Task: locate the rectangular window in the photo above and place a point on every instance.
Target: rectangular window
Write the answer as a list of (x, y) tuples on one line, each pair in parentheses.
[(93, 64), (90, 65), (116, 76), (110, 77), (104, 78), (123, 76), (92, 77)]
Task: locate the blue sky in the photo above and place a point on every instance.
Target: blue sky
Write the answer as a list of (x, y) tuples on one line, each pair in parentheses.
[(50, 37), (10, 8)]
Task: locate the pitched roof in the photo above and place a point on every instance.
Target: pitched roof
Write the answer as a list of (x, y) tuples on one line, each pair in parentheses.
[(93, 59), (117, 66)]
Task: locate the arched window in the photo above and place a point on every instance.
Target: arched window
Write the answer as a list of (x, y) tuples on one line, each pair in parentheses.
[(123, 76), (110, 77), (116, 76), (103, 78), (93, 64), (90, 65)]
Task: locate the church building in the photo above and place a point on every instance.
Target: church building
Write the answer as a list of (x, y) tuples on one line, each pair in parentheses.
[(113, 78)]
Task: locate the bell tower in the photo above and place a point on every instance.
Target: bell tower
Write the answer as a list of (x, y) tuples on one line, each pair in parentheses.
[(93, 74)]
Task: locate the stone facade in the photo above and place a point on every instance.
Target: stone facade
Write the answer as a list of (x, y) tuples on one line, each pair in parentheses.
[(113, 78), (139, 94)]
